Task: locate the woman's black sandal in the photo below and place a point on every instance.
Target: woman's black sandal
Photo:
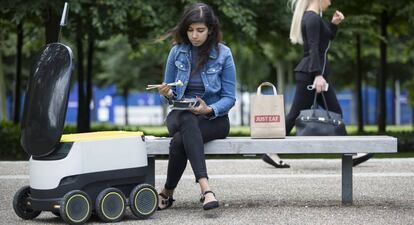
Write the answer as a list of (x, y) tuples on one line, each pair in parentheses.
[(269, 160), (166, 201), (209, 205)]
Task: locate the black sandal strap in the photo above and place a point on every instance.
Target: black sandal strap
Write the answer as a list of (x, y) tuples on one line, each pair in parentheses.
[(203, 195), (206, 192), (163, 195), (167, 201)]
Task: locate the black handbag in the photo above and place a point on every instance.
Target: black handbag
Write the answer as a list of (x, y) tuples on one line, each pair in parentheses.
[(319, 122)]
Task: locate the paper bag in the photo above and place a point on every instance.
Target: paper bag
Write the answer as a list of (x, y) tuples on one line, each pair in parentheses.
[(267, 114)]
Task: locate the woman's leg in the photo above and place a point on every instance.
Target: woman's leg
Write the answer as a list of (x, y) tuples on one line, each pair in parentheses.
[(210, 130), (303, 100), (197, 130), (190, 133), (333, 105), (177, 162), (177, 158)]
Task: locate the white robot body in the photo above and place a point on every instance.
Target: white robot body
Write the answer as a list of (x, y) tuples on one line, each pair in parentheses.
[(89, 156)]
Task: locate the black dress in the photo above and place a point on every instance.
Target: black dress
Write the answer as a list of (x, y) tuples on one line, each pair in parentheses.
[(317, 35)]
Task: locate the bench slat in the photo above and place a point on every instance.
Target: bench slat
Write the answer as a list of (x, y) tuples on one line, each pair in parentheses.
[(291, 144)]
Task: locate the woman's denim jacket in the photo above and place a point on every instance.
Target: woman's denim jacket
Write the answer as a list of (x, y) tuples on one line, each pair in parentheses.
[(218, 75)]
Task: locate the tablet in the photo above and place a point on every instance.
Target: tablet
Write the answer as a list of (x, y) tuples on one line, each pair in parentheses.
[(184, 104)]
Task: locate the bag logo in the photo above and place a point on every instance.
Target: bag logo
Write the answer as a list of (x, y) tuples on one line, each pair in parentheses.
[(267, 119)]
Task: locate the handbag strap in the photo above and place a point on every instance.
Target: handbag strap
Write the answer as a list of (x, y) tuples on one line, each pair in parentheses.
[(259, 89), (315, 105)]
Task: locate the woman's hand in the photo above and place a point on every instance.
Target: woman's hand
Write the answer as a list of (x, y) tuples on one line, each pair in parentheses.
[(319, 83), (337, 17), (165, 90), (202, 108)]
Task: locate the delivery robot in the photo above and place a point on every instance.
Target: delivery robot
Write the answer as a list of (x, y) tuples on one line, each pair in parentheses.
[(76, 175)]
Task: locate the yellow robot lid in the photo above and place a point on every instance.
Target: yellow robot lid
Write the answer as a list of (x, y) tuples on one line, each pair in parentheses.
[(101, 135)]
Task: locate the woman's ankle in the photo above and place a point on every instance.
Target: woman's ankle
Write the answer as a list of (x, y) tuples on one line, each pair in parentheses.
[(168, 192), (210, 195), (204, 185)]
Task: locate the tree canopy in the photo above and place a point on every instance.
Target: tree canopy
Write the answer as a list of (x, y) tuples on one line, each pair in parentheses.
[(117, 38)]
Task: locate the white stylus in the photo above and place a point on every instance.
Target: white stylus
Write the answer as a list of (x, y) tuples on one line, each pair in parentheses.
[(152, 86)]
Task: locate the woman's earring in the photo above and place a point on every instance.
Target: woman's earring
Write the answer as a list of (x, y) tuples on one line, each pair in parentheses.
[(320, 8)]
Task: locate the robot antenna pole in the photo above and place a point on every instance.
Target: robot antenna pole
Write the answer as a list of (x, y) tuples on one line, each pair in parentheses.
[(63, 19)]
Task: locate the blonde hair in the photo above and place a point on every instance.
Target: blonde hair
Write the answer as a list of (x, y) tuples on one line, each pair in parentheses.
[(299, 7)]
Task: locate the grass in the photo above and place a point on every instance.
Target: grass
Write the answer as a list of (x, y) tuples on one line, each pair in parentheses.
[(349, 128)]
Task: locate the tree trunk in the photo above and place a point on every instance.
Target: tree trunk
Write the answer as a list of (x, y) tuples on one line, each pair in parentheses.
[(280, 68), (412, 116), (290, 74), (394, 99), (397, 106), (272, 77), (125, 94), (382, 119), (366, 103), (51, 25), (242, 90), (3, 110), (89, 84), (81, 121), (358, 86), (16, 100)]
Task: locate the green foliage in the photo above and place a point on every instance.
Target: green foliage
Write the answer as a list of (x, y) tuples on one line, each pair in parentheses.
[(262, 27), (32, 42), (239, 16), (256, 30), (252, 67), (407, 11), (10, 147), (129, 68)]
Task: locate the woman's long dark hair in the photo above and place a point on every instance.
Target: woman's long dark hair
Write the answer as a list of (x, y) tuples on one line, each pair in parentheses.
[(199, 13)]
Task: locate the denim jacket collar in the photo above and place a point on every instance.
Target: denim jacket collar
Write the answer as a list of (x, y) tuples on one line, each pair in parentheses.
[(185, 48)]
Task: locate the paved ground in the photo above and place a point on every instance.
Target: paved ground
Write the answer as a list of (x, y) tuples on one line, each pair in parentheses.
[(251, 192)]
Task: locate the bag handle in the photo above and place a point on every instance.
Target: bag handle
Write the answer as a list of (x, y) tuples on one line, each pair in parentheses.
[(315, 105), (259, 89)]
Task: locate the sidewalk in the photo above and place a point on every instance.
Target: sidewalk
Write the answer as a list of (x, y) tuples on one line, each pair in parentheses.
[(251, 192)]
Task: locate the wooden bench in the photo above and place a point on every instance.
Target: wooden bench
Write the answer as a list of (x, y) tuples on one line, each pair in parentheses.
[(345, 145)]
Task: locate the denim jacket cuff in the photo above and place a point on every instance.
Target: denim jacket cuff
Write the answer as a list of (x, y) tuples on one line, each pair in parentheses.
[(169, 99), (213, 114)]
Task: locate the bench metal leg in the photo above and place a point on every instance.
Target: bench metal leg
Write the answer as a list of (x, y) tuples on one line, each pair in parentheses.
[(347, 179), (150, 179)]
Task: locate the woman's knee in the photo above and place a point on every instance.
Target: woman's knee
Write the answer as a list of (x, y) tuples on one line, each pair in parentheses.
[(188, 118), (177, 145), (225, 130)]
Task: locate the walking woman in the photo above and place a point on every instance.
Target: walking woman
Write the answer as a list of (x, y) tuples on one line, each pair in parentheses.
[(206, 68), (310, 30)]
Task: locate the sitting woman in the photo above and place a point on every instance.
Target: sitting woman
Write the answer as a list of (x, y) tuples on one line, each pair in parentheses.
[(206, 68)]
